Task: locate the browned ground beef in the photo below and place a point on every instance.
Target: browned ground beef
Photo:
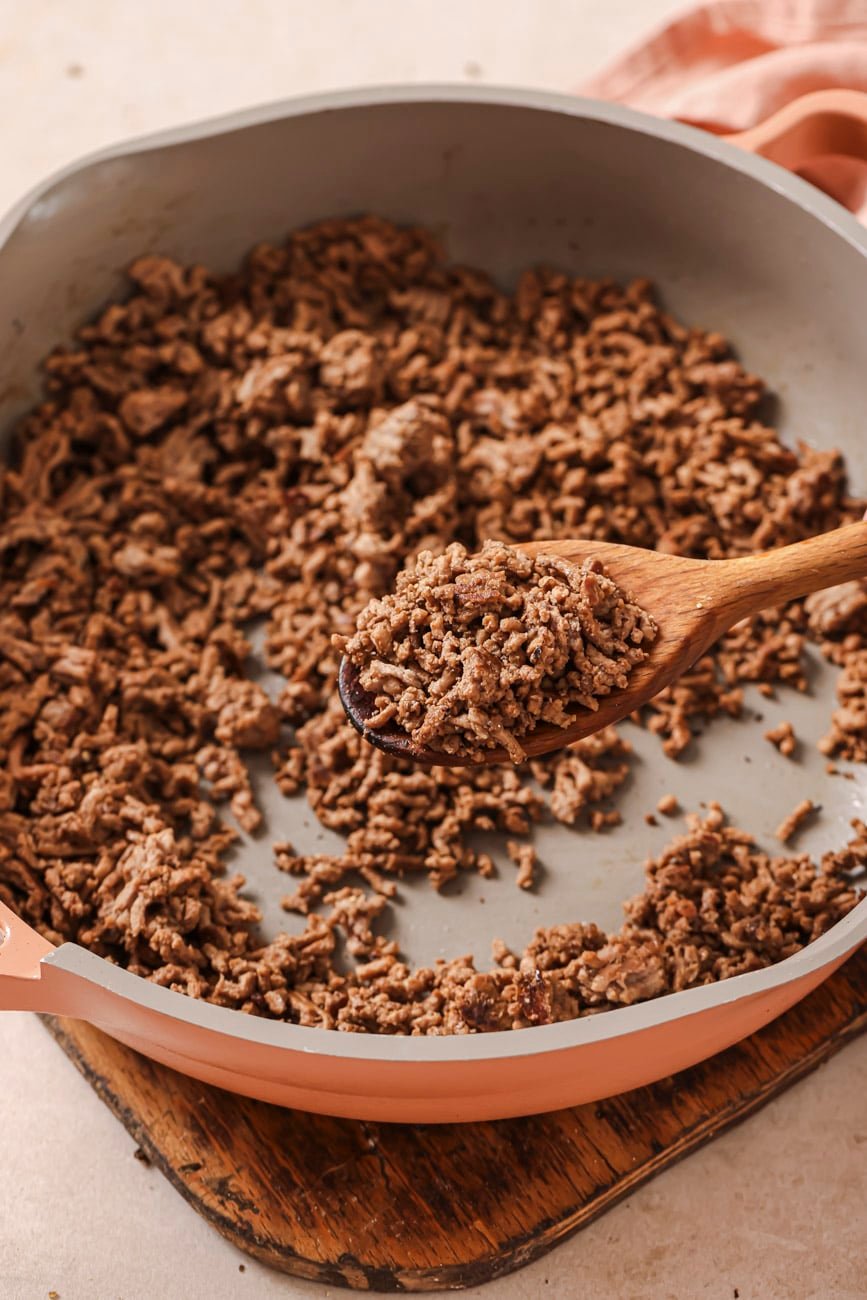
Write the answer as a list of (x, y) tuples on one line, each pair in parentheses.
[(472, 652), (792, 823), (277, 443), (784, 738)]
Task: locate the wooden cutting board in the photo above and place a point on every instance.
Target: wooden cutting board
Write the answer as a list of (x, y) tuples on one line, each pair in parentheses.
[(430, 1208)]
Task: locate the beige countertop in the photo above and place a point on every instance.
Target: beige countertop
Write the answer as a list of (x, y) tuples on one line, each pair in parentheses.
[(775, 1208)]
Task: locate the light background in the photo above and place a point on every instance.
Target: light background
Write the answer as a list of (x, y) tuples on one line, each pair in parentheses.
[(774, 1210)]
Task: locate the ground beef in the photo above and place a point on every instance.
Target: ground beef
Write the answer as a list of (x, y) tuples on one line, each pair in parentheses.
[(783, 737), (276, 444), (848, 735), (525, 859), (791, 824), (473, 652), (583, 775), (398, 817)]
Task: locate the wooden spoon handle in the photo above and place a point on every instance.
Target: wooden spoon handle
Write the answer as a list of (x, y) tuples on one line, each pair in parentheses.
[(758, 581)]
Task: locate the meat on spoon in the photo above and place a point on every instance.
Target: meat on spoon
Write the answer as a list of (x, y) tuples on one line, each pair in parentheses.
[(441, 676)]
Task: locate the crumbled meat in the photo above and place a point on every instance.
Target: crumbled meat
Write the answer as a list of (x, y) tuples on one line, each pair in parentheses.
[(398, 817), (718, 906), (145, 409), (848, 735), (351, 368), (525, 859), (600, 819), (587, 772), (852, 859), (668, 805), (784, 738), (790, 825), (470, 653), (245, 717), (837, 610), (278, 444)]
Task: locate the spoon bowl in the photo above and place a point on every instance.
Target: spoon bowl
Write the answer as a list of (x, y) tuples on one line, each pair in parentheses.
[(693, 603)]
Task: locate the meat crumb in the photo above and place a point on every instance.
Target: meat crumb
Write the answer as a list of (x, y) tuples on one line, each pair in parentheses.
[(473, 652), (601, 819), (790, 825), (276, 444), (668, 805), (784, 738), (525, 859), (502, 955), (583, 775)]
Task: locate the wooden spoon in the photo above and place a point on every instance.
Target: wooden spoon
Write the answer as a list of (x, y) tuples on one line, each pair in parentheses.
[(693, 602)]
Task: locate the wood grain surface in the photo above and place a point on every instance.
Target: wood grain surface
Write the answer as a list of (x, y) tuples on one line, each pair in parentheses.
[(428, 1208)]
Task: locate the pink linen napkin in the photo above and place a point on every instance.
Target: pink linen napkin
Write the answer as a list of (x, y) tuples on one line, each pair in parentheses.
[(730, 64)]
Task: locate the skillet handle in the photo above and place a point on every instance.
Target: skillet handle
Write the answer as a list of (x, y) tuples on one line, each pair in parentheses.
[(22, 987), (824, 122)]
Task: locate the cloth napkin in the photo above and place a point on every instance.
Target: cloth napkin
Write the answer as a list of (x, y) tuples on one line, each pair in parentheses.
[(730, 64)]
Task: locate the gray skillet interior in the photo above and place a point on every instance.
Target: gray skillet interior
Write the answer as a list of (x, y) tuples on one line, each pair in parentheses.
[(509, 179)]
